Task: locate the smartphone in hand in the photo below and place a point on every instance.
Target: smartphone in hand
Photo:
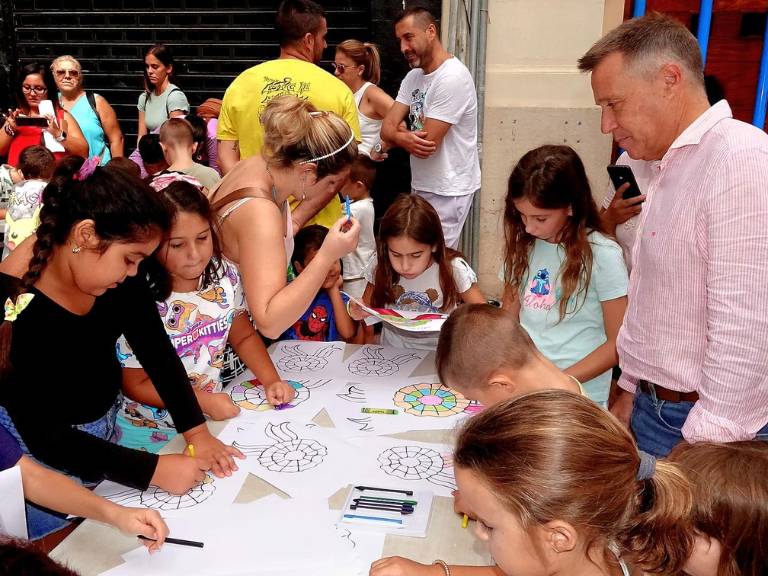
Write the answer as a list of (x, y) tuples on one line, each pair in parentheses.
[(620, 175), (31, 121)]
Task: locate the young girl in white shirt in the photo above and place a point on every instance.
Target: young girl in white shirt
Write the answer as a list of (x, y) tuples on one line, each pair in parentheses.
[(415, 271)]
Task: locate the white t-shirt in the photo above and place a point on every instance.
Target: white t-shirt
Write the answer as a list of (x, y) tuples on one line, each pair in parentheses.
[(198, 325), (580, 332), (421, 294), (355, 262), (626, 232), (447, 94)]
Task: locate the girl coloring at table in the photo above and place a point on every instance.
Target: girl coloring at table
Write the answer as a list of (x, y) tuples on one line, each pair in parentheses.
[(559, 487), (63, 316), (563, 276), (200, 300), (415, 271), (327, 318)]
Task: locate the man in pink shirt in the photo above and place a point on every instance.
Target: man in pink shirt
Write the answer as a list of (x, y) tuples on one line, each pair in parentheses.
[(694, 344)]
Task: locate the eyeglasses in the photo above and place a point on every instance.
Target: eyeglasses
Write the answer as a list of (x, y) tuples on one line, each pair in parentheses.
[(342, 67), (27, 89), (63, 73)]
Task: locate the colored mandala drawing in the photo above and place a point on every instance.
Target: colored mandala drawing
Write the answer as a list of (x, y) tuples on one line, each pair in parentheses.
[(295, 359), (417, 463), (158, 499), (288, 453), (373, 363), (430, 400), (250, 395)]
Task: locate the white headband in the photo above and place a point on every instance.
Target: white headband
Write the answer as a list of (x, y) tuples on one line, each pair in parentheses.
[(324, 156)]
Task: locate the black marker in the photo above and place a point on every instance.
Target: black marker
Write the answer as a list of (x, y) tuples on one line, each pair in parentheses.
[(406, 492), (178, 541)]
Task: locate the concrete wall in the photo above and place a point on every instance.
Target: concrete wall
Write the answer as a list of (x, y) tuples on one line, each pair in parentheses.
[(535, 95)]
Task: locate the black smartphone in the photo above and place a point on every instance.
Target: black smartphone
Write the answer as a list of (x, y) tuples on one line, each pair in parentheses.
[(620, 175), (31, 121)]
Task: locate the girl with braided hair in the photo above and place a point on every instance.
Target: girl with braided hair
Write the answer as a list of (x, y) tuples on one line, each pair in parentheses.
[(59, 373)]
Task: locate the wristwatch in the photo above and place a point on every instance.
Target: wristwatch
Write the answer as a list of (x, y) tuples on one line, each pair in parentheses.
[(378, 148), (61, 137)]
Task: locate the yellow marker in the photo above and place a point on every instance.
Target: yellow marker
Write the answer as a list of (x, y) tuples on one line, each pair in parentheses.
[(465, 521), (191, 449)]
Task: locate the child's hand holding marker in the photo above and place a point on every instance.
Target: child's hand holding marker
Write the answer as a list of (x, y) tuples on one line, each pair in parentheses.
[(279, 393)]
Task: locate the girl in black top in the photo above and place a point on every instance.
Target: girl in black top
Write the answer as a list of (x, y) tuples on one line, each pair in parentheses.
[(59, 373)]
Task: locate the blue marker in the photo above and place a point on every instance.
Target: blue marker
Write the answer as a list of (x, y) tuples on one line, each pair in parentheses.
[(374, 518), (346, 207)]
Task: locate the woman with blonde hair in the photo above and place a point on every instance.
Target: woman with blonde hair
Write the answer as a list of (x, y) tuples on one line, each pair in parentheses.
[(93, 113), (306, 153), (358, 65)]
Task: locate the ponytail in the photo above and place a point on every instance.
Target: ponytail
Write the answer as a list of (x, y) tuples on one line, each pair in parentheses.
[(555, 455), (658, 536), (363, 54)]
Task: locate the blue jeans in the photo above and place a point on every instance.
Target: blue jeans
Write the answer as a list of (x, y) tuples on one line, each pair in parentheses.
[(656, 423), (41, 521)]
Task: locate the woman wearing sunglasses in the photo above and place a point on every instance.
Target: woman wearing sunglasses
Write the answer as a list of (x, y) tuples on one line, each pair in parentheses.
[(27, 125), (357, 64), (93, 113)]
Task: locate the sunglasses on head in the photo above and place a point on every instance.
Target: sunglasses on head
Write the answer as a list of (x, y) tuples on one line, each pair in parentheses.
[(63, 73)]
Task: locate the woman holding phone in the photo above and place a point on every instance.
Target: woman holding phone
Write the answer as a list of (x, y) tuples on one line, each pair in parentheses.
[(38, 113)]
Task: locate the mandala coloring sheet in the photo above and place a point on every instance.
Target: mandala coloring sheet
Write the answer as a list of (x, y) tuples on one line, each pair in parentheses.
[(296, 359), (209, 494), (406, 463), (382, 363), (420, 405), (299, 458)]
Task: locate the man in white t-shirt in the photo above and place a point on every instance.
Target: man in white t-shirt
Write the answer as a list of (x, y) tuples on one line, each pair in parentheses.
[(438, 97)]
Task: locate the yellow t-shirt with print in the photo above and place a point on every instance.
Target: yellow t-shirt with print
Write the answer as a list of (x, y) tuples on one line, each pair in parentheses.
[(246, 98)]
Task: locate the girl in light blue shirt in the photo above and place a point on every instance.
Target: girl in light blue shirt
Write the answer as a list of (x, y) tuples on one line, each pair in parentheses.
[(565, 278)]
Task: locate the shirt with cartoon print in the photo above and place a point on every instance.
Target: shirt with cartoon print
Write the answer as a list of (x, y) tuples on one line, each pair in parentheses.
[(421, 294), (318, 323), (23, 215), (198, 325), (582, 330)]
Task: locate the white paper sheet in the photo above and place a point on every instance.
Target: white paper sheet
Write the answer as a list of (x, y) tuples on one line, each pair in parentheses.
[(248, 393), (212, 493), (300, 458), (13, 518), (421, 404), (404, 319), (382, 363), (261, 538), (299, 359), (406, 464)]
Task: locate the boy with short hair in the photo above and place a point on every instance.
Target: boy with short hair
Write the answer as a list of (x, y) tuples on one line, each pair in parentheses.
[(152, 155), (361, 178), (178, 143)]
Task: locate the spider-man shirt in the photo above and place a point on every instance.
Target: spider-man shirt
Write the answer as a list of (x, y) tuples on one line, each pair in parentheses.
[(318, 323)]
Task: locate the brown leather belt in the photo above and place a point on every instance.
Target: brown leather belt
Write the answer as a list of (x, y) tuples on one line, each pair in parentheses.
[(666, 394)]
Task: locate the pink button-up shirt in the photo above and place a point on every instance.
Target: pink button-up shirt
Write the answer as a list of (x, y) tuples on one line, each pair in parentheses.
[(698, 293)]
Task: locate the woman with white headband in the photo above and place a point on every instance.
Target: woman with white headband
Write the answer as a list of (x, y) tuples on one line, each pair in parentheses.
[(306, 153)]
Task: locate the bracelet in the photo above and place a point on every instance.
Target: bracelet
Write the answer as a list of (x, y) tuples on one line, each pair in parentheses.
[(9, 130), (444, 565)]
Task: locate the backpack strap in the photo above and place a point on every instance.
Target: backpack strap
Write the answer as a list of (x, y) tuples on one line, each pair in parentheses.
[(167, 111), (91, 98)]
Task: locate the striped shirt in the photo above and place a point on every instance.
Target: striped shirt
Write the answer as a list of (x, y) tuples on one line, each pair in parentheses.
[(698, 293)]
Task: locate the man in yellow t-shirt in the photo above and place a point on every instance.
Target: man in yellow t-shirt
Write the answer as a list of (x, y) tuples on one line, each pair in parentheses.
[(302, 28)]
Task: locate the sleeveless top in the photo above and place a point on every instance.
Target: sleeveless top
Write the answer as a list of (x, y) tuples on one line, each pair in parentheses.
[(91, 127), (369, 128), (287, 239)]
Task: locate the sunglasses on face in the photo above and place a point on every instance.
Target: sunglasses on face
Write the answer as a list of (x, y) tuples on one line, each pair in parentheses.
[(342, 67), (27, 89), (63, 73)]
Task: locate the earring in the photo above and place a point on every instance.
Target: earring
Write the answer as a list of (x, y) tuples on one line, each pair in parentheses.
[(76, 250)]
